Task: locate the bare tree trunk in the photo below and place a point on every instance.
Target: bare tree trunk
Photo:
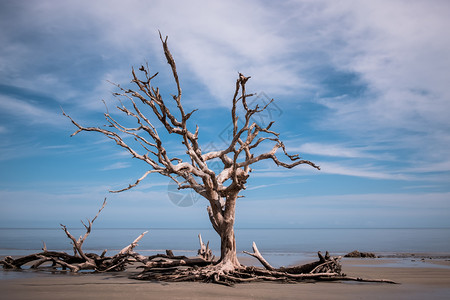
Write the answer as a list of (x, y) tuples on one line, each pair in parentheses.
[(228, 246), (228, 256)]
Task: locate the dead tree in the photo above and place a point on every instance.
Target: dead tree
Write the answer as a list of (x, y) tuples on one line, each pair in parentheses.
[(220, 189)]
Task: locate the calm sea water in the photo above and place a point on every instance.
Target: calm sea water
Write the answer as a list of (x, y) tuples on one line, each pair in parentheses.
[(270, 241), (281, 247)]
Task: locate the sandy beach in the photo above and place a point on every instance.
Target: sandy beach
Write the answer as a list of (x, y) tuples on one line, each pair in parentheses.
[(428, 279)]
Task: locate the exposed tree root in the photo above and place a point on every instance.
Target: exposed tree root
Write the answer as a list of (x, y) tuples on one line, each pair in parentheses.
[(241, 275), (327, 268)]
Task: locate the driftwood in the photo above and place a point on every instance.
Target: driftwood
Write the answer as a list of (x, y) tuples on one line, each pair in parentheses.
[(79, 260), (156, 266), (261, 259), (325, 264)]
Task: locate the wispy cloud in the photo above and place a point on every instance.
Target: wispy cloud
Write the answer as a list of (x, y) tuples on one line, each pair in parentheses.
[(362, 171), (338, 150), (56, 147), (117, 165), (402, 67), (263, 186), (424, 167), (28, 112), (212, 49), (337, 168)]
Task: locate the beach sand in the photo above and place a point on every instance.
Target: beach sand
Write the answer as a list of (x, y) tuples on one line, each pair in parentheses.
[(417, 280)]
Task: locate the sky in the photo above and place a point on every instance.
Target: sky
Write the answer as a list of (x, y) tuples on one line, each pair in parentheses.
[(359, 87)]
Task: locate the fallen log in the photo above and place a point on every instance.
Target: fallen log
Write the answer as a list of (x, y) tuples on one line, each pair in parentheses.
[(159, 262)]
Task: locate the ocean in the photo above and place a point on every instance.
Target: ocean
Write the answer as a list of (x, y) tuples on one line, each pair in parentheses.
[(282, 246)]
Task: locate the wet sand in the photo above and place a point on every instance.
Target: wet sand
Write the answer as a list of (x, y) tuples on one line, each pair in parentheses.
[(417, 280)]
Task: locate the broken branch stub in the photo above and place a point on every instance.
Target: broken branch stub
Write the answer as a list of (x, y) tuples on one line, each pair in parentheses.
[(204, 251)]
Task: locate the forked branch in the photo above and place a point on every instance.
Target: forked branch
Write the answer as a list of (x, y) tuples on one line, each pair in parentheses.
[(258, 256)]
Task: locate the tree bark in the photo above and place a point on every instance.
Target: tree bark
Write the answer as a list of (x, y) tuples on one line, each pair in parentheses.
[(228, 246), (228, 256)]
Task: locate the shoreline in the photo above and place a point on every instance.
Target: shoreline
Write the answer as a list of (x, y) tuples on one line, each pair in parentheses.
[(430, 279)]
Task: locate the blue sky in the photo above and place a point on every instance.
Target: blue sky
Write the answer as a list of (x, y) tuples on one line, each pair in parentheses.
[(360, 88)]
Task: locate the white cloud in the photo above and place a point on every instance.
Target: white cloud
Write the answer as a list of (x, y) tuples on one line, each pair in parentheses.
[(399, 50), (421, 167), (203, 39), (57, 147), (347, 168), (432, 200), (117, 165), (29, 112), (336, 150), (362, 171)]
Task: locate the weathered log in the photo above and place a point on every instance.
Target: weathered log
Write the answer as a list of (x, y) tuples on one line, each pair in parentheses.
[(152, 257), (10, 263), (169, 263)]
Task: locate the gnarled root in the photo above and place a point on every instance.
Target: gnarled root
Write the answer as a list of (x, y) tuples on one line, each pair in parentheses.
[(327, 268), (228, 273), (224, 275), (200, 270)]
